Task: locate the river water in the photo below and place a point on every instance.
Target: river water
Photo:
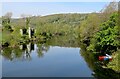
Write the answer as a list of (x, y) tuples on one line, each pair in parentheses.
[(57, 57), (53, 62)]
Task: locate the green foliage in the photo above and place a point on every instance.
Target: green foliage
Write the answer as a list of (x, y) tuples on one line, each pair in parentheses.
[(27, 21), (6, 36), (0, 37), (107, 38), (6, 23), (89, 26)]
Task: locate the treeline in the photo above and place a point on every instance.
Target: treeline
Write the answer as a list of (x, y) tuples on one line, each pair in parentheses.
[(54, 24), (45, 27)]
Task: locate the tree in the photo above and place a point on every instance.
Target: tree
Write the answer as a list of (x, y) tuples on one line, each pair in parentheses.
[(89, 26), (107, 39), (6, 21)]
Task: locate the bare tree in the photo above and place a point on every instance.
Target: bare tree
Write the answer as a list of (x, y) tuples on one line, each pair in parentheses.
[(8, 15)]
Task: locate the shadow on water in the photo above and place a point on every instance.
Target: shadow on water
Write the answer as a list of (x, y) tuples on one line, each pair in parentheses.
[(24, 51)]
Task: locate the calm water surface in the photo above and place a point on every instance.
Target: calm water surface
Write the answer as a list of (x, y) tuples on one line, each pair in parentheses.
[(54, 62)]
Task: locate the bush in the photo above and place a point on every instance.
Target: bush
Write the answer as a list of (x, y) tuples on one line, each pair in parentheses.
[(106, 40)]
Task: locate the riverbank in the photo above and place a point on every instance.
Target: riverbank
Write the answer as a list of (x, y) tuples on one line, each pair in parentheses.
[(106, 41)]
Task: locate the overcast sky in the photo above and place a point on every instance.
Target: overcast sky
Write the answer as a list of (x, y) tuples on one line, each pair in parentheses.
[(47, 8)]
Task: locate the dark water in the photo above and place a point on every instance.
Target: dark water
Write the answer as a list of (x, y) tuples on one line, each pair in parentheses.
[(58, 57)]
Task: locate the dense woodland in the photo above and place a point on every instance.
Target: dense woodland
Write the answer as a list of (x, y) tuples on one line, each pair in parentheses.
[(99, 32)]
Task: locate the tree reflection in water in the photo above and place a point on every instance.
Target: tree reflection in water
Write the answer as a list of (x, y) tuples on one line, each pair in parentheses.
[(41, 49), (23, 52)]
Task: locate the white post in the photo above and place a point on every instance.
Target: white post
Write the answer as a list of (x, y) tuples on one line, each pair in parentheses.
[(29, 47), (21, 47), (29, 32), (21, 31)]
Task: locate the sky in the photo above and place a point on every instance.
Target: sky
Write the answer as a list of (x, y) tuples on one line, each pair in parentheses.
[(48, 8), (58, 0)]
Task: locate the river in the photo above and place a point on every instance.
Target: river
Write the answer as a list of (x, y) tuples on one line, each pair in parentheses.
[(57, 57)]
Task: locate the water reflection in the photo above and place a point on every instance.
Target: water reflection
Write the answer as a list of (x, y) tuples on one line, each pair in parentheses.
[(25, 52), (41, 49)]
